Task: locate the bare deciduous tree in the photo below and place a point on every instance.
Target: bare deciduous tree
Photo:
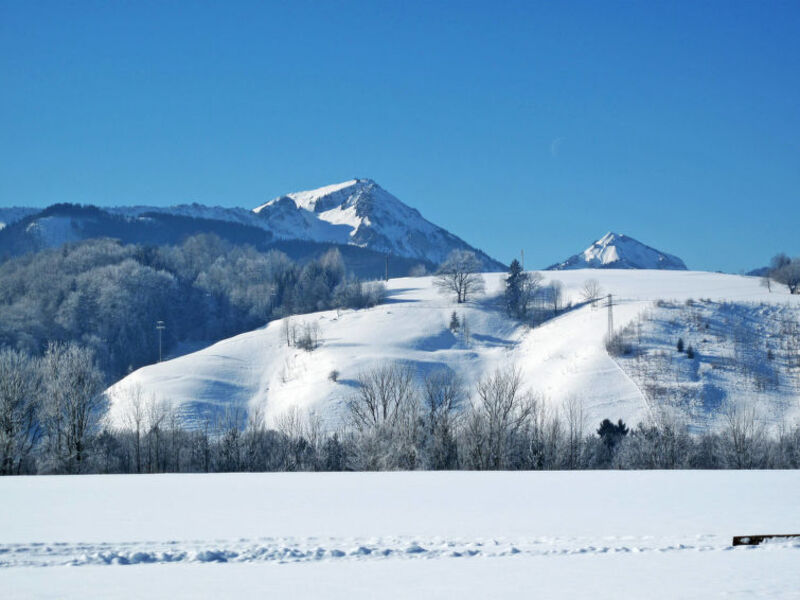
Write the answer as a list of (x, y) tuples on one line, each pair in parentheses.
[(576, 425), (134, 421), (499, 412), (743, 433), (789, 275), (384, 394), (385, 413), (443, 394), (591, 291), (556, 293), (460, 274)]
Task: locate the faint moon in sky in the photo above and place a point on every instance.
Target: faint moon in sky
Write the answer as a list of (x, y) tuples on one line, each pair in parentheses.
[(555, 146)]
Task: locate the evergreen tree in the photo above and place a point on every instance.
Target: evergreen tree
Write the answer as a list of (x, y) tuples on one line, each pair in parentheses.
[(612, 434), (454, 322), (514, 289), (679, 345)]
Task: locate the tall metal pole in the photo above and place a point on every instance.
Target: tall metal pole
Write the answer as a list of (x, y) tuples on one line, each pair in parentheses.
[(160, 327), (387, 268), (522, 256), (610, 317)]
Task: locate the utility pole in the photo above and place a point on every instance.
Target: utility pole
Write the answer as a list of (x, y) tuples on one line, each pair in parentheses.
[(160, 327), (522, 257), (387, 268), (610, 316)]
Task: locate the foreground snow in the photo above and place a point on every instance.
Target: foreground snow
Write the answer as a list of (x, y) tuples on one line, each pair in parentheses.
[(563, 359), (654, 534)]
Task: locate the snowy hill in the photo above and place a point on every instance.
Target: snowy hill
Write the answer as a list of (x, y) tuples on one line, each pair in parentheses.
[(561, 360), (616, 251), (359, 212)]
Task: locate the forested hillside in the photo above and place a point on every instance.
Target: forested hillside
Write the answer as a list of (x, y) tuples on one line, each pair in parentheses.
[(108, 296)]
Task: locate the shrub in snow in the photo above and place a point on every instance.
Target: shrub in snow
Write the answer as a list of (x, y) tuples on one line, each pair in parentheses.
[(418, 271), (617, 345), (308, 339)]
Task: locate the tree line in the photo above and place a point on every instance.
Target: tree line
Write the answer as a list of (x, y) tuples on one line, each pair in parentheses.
[(52, 420)]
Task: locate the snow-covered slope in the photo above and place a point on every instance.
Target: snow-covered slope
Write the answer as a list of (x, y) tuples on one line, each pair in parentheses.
[(13, 214), (53, 231), (361, 213), (563, 359), (194, 211), (617, 251)]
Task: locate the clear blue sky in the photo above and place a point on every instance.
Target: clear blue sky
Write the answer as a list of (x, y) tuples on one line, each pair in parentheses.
[(535, 125)]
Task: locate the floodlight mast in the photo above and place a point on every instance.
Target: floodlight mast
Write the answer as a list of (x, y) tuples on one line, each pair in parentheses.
[(160, 327)]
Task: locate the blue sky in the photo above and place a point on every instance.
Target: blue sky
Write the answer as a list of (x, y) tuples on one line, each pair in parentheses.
[(532, 125)]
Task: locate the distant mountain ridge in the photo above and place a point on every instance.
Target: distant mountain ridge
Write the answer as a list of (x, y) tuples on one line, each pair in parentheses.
[(357, 213), (619, 251)]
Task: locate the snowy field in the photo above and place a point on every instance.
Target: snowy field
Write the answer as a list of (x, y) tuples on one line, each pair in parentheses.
[(563, 359), (399, 535)]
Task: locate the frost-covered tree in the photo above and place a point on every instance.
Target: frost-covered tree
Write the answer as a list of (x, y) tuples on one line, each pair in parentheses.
[(443, 394), (385, 395), (500, 412), (385, 413), (460, 274), (73, 406), (20, 399), (743, 436), (788, 273)]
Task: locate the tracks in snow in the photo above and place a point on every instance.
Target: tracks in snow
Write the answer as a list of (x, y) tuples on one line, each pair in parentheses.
[(284, 550)]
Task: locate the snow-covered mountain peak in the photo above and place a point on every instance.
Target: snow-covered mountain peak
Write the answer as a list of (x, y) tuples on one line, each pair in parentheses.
[(360, 212), (619, 251), (309, 199), (609, 238)]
